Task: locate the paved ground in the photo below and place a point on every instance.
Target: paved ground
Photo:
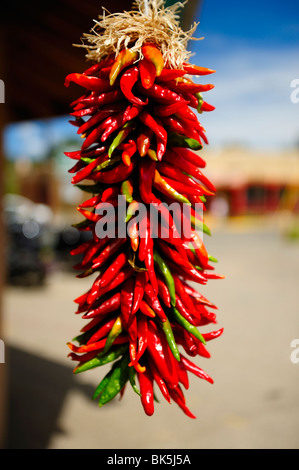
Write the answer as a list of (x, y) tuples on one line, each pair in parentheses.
[(254, 402)]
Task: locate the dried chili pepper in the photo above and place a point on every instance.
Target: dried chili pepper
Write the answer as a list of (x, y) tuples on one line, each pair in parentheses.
[(139, 137)]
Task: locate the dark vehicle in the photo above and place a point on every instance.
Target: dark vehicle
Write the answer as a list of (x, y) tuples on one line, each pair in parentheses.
[(28, 233)]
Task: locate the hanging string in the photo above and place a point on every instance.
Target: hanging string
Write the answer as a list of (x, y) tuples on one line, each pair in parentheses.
[(146, 10)]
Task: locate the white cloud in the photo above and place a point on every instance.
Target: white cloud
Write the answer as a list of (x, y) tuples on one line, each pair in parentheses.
[(252, 96)]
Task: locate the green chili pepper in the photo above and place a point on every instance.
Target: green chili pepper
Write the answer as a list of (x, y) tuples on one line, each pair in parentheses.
[(152, 154), (118, 377), (132, 208), (102, 359), (90, 188), (200, 102), (85, 223), (127, 190), (125, 57), (211, 258), (198, 225), (102, 385), (162, 185), (114, 333), (178, 140), (165, 271), (108, 163), (121, 136), (166, 327), (188, 327), (132, 373)]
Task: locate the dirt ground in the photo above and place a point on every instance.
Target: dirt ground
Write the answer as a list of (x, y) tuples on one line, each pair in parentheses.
[(253, 403)]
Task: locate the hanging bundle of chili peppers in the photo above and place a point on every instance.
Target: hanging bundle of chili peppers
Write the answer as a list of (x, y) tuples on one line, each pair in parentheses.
[(138, 118)]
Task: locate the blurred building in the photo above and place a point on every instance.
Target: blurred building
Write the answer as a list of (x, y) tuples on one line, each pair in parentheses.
[(253, 182)]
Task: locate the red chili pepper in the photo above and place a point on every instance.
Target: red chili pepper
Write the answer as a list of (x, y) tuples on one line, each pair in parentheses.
[(102, 114), (90, 83), (188, 87), (160, 382), (97, 291), (144, 237), (153, 302), (146, 177), (153, 124), (149, 264), (191, 274), (125, 57), (95, 68), (128, 150), (144, 140), (88, 215), (85, 112), (169, 109), (206, 107), (101, 332), (190, 156), (110, 193), (161, 94), (93, 250), (197, 297), (183, 310), (118, 174), (164, 293), (184, 296), (161, 355), (133, 235), (174, 125), (170, 74), (142, 330), (146, 309), (114, 268), (147, 392), (183, 376), (140, 282), (175, 395), (172, 254), (80, 248), (127, 298), (189, 168), (88, 169), (110, 250), (153, 54), (147, 71), (97, 345), (104, 98), (107, 306), (195, 369), (93, 201), (76, 167), (196, 70), (127, 81), (212, 334)]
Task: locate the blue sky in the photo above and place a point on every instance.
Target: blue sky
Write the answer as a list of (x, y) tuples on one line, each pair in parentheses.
[(254, 48)]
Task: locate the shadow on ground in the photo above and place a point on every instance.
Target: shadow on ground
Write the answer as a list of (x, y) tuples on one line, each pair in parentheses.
[(37, 389)]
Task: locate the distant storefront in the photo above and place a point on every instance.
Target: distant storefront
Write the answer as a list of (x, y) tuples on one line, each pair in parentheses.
[(250, 182)]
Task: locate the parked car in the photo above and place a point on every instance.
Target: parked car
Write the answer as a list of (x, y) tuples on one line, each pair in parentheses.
[(28, 232)]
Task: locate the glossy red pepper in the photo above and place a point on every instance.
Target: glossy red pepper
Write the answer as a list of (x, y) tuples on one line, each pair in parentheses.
[(147, 391), (127, 81)]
